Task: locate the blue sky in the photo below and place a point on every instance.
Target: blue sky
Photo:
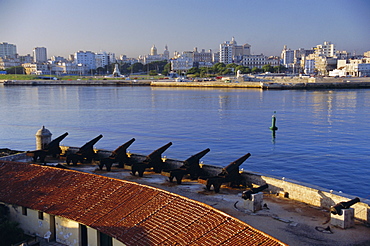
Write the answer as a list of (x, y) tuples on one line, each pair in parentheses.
[(132, 27)]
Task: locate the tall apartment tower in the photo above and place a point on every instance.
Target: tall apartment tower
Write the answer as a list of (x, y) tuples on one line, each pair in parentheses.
[(85, 58), (231, 52), (327, 49), (226, 52), (8, 50), (39, 55)]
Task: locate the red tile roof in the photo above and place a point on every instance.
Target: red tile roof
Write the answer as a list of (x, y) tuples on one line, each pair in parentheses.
[(132, 213)]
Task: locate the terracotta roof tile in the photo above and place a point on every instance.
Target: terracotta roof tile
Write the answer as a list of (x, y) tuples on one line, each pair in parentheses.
[(132, 213)]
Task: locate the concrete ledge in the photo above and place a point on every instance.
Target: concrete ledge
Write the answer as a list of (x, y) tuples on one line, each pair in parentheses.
[(214, 84), (78, 82)]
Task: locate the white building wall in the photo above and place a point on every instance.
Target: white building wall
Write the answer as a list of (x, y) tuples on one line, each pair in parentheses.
[(327, 49), (101, 60), (364, 69), (252, 61), (39, 55), (86, 58), (67, 231), (9, 50), (226, 53), (30, 223), (181, 64)]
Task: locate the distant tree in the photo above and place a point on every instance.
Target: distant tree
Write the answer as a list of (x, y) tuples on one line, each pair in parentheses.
[(203, 72), (268, 68), (136, 67), (166, 69), (279, 69), (15, 70), (153, 72), (124, 68), (256, 70), (193, 70), (100, 70), (219, 68), (227, 71), (231, 65), (247, 70)]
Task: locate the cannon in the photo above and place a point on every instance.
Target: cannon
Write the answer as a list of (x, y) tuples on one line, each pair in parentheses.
[(51, 148), (86, 152), (190, 166), (248, 193), (230, 174), (118, 155), (153, 160), (337, 208)]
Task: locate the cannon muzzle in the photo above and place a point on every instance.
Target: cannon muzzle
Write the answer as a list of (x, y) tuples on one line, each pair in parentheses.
[(90, 144), (158, 152), (337, 208), (234, 166), (194, 159), (248, 193), (123, 147), (55, 142)]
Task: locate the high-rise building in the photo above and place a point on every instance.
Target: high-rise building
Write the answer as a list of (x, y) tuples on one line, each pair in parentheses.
[(8, 50), (327, 49), (39, 55), (287, 56), (85, 58), (101, 59), (231, 52)]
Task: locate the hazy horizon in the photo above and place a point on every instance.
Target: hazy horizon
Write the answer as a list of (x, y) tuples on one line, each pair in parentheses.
[(133, 27)]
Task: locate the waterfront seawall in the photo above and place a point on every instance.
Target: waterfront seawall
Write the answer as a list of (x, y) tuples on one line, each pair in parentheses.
[(77, 82), (265, 83)]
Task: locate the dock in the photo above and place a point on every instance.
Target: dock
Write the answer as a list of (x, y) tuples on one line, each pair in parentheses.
[(264, 83)]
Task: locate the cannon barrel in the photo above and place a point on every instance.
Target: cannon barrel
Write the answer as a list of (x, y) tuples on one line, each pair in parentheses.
[(55, 142), (337, 208), (154, 159), (158, 152), (90, 144), (248, 193), (194, 159), (233, 167), (122, 149)]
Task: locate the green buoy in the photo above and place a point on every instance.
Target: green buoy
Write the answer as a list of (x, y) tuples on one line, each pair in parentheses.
[(273, 127)]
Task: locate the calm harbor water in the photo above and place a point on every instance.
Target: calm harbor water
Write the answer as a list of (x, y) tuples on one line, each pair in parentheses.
[(323, 136)]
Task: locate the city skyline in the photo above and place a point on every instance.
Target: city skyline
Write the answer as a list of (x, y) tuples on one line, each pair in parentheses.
[(132, 28)]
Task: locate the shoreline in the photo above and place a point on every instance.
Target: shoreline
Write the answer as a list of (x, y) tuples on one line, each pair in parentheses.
[(265, 83)]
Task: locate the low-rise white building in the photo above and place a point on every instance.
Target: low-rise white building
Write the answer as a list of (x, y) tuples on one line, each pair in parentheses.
[(37, 68), (68, 68), (355, 68), (86, 58), (181, 64), (259, 61)]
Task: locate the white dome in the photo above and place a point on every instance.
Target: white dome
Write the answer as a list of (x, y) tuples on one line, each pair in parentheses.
[(43, 132)]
